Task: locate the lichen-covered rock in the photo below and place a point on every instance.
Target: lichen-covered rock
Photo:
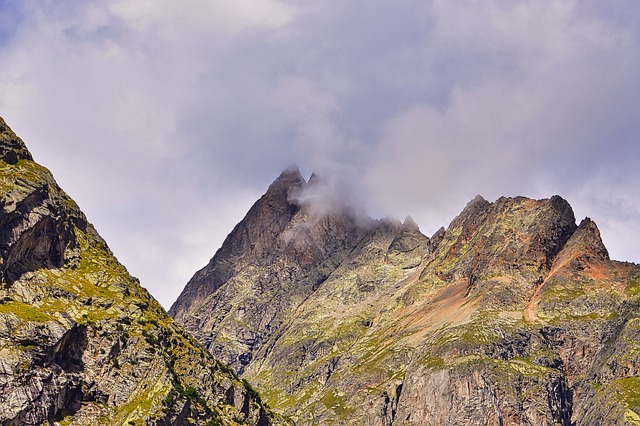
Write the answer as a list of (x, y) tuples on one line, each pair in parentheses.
[(513, 315), (81, 342)]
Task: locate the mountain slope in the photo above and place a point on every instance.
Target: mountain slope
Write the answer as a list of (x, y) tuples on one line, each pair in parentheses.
[(512, 315), (272, 261), (81, 341)]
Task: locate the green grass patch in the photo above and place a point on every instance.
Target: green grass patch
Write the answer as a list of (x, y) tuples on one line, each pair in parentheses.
[(633, 287), (24, 311), (627, 391), (432, 362), (335, 402), (525, 367), (25, 174), (593, 316), (486, 327), (632, 418), (23, 347), (558, 292)]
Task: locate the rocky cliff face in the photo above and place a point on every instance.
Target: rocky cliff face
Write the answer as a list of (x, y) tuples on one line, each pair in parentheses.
[(81, 342), (269, 265), (512, 315)]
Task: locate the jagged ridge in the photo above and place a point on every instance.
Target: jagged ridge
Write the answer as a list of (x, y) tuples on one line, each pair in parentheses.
[(512, 315)]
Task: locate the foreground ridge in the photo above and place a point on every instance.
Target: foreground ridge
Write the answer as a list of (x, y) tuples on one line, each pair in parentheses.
[(81, 341), (512, 315)]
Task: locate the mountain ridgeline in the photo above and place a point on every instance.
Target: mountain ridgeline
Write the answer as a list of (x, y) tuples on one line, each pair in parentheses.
[(513, 315), (81, 342)]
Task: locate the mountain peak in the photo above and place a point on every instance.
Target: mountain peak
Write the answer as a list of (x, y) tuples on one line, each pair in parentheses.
[(285, 186), (588, 238), (410, 224), (290, 175), (254, 236), (563, 207), (313, 179), (478, 203), (12, 148), (472, 212)]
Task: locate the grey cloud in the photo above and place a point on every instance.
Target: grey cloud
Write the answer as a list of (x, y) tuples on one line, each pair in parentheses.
[(167, 120)]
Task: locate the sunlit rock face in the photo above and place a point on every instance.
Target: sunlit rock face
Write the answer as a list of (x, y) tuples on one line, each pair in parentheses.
[(81, 342), (513, 314)]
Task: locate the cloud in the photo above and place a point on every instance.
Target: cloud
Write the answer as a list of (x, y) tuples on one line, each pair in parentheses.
[(167, 120), (548, 105)]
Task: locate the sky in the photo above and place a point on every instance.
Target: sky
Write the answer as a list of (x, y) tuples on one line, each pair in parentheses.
[(165, 120)]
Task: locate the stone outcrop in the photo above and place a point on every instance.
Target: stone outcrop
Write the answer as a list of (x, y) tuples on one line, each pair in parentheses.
[(81, 342), (512, 315)]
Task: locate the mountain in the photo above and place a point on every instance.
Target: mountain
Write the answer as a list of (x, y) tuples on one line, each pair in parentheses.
[(268, 266), (81, 342), (512, 315)]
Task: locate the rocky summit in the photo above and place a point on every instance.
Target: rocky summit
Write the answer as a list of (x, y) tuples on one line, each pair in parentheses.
[(512, 315), (81, 342)]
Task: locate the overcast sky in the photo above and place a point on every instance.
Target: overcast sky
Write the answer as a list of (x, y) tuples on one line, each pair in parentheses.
[(165, 120)]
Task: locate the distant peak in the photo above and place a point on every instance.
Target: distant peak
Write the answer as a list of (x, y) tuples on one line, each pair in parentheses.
[(410, 224), (472, 210), (477, 199), (560, 203), (589, 232), (587, 223), (391, 222), (563, 209), (477, 205), (314, 179), (291, 170), (290, 177)]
